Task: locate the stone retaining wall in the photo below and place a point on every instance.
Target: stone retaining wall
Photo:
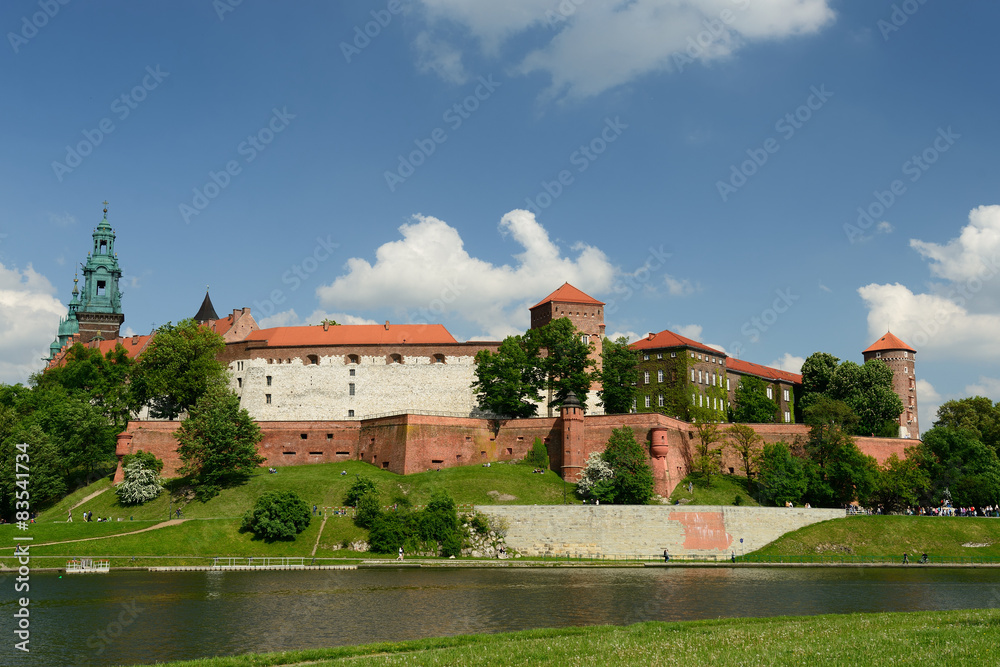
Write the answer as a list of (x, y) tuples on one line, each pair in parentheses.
[(630, 530)]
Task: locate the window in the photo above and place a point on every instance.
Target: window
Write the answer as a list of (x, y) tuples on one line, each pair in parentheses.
[(303, 436), (394, 359), (647, 401), (659, 355), (438, 359), (350, 413), (713, 379), (267, 399), (353, 359), (350, 389), (673, 355), (239, 383), (659, 375), (313, 359), (646, 377), (699, 357), (585, 339), (633, 407), (692, 398), (268, 380), (787, 396), (906, 369), (352, 372), (788, 416), (101, 287), (906, 355), (699, 377), (103, 249), (715, 404), (659, 400), (645, 357), (770, 392), (692, 375), (878, 355), (701, 400), (727, 384)]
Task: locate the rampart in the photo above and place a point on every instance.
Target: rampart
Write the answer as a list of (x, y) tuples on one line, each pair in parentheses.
[(646, 530)]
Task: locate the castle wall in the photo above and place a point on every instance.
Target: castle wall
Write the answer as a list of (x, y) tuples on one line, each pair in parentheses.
[(646, 530)]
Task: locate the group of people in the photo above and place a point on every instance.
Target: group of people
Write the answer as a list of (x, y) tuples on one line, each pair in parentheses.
[(87, 516), (923, 559)]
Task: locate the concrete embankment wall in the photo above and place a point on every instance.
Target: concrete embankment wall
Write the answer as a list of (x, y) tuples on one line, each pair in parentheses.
[(629, 530)]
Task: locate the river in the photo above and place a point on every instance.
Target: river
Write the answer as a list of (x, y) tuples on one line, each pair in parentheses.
[(137, 617)]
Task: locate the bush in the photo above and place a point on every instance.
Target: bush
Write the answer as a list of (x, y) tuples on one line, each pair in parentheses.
[(368, 510), (738, 500), (480, 524), (388, 533), (538, 457), (141, 483), (361, 487), (277, 515)]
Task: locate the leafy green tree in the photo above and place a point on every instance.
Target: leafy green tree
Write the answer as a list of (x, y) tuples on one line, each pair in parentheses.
[(84, 436), (750, 402), (506, 382), (632, 483), (867, 390), (818, 371), (46, 482), (277, 515), (747, 444), (566, 365), (708, 450), (141, 483), (148, 460), (900, 483), (838, 471), (619, 376), (178, 367), (218, 442), (388, 532), (538, 457), (104, 379), (977, 414), (782, 476), (367, 510), (961, 466), (361, 486)]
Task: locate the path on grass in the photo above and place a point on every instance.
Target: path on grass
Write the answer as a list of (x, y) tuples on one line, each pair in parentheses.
[(321, 527), (90, 497), (171, 522)]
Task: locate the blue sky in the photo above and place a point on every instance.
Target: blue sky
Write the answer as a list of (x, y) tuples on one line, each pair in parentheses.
[(693, 164)]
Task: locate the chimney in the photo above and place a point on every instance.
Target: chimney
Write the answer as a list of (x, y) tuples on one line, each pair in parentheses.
[(135, 340), (650, 335), (387, 325), (326, 325)]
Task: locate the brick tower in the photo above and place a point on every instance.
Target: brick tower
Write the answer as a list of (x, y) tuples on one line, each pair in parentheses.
[(902, 359), (584, 311)]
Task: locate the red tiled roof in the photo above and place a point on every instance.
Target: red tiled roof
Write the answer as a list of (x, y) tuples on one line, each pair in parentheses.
[(354, 334), (888, 342), (568, 294), (668, 338), (766, 372)]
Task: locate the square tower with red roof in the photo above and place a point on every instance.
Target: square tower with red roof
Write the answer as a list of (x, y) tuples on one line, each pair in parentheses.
[(584, 311)]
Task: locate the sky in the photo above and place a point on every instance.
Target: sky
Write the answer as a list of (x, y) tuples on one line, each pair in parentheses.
[(772, 177)]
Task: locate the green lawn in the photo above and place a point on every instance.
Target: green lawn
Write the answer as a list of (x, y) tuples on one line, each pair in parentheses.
[(722, 491), (965, 637), (880, 536)]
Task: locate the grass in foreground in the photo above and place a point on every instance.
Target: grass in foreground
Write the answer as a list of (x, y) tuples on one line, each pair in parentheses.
[(723, 491), (879, 536), (965, 637)]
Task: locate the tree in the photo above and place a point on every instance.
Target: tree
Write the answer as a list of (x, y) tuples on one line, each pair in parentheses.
[(218, 442), (566, 364), (818, 371), (619, 376), (977, 414), (538, 457), (361, 486), (595, 480), (747, 443), (178, 367), (632, 482), (961, 466), (277, 515), (782, 477), (142, 481), (838, 471), (708, 457), (506, 382), (46, 482), (750, 402), (900, 483), (866, 390)]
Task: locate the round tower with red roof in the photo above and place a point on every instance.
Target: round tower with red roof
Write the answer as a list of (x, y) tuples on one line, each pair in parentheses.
[(902, 359)]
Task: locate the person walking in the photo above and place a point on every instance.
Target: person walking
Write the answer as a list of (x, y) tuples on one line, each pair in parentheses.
[(906, 559), (70, 519), (400, 556)]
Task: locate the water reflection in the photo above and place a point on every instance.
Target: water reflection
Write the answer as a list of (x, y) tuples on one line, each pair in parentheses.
[(188, 615)]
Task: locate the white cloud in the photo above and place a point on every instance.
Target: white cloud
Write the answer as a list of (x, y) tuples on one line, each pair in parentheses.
[(589, 47), (788, 362), (428, 274), (928, 402), (434, 55), (62, 219), (988, 387), (29, 318), (631, 335), (716, 346), (825, 288), (692, 331), (289, 318), (972, 255), (680, 287), (955, 318), (884, 228)]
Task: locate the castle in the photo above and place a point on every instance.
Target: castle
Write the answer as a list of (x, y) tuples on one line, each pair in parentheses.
[(399, 395)]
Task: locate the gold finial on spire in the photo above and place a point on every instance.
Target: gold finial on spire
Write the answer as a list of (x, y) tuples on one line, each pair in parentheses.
[(105, 208)]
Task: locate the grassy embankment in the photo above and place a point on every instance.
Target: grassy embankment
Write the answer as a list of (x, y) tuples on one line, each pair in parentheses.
[(212, 528), (892, 536), (966, 637), (723, 491)]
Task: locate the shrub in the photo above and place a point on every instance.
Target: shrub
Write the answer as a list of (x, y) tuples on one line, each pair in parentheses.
[(368, 510), (362, 486), (141, 484), (277, 515), (480, 524), (538, 457), (388, 533), (738, 500)]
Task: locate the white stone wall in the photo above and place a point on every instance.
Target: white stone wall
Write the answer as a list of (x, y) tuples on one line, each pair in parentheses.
[(322, 391)]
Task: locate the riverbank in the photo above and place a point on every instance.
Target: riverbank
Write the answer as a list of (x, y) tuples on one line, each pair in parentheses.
[(966, 637)]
